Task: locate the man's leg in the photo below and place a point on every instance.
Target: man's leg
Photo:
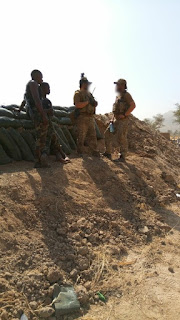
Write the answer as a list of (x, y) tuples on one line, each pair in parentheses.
[(108, 143), (122, 132), (41, 142), (82, 129), (56, 148), (41, 134), (92, 138)]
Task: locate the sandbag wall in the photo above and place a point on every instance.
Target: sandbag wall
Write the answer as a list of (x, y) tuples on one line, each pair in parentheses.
[(18, 136)]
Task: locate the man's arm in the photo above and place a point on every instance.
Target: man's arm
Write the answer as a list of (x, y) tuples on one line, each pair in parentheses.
[(23, 103), (78, 104), (131, 108), (131, 102)]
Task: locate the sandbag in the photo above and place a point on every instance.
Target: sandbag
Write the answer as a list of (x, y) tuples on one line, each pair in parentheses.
[(65, 121), (73, 132), (27, 124), (61, 133), (9, 145), (6, 122), (67, 109), (30, 140), (55, 119), (60, 108), (11, 107), (6, 113), (21, 115), (98, 133), (23, 146), (4, 159), (65, 147), (61, 113), (69, 137)]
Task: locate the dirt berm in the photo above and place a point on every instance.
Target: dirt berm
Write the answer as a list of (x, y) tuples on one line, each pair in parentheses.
[(101, 226)]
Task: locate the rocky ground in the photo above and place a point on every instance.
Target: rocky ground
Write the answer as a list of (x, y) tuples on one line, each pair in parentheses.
[(97, 225)]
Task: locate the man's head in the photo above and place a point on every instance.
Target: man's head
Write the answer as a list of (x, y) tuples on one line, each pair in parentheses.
[(84, 83), (37, 76), (45, 88), (121, 85)]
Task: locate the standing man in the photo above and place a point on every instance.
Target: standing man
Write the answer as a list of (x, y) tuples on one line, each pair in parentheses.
[(39, 117), (122, 108), (85, 109), (52, 137)]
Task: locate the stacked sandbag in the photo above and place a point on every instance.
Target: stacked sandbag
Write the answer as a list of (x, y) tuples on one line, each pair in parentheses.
[(30, 138), (62, 140), (21, 143), (18, 136), (69, 137), (6, 122), (21, 115), (9, 145), (6, 113), (11, 107), (4, 159)]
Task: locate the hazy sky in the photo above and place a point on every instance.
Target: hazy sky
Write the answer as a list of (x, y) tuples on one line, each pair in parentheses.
[(107, 39)]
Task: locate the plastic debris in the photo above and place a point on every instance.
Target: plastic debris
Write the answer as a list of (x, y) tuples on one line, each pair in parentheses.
[(178, 195), (101, 296), (24, 317), (65, 300)]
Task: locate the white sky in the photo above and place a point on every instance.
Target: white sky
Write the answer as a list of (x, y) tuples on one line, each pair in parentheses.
[(107, 39)]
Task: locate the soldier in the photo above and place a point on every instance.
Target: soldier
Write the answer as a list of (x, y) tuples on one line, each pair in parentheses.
[(122, 108), (85, 109), (52, 138), (39, 117)]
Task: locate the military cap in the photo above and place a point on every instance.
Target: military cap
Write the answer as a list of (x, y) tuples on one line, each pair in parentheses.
[(121, 81)]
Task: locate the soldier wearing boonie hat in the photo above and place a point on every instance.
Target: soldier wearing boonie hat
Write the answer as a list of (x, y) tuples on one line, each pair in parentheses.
[(85, 109), (122, 108)]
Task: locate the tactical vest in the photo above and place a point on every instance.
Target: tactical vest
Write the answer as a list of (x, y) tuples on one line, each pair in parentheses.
[(121, 105), (29, 98), (85, 96)]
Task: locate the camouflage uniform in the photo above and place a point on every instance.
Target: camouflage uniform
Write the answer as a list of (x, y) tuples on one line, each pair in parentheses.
[(119, 137), (51, 140), (85, 122), (41, 128), (41, 135)]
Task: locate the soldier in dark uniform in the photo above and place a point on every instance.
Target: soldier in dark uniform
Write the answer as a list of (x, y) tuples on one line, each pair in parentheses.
[(122, 108), (39, 117), (52, 138), (85, 108)]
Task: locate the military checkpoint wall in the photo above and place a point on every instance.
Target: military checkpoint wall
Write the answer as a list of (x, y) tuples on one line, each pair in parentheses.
[(18, 136)]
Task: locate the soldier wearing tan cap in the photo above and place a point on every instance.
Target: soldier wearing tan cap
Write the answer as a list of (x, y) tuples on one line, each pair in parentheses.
[(122, 108)]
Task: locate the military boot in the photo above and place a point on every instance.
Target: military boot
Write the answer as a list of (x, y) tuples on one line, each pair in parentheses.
[(62, 160)]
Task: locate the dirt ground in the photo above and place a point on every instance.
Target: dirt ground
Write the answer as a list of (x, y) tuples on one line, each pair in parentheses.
[(101, 226), (149, 288)]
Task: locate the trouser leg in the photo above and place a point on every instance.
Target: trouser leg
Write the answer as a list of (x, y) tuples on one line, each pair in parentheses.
[(92, 138), (122, 131), (108, 142), (82, 129), (41, 136)]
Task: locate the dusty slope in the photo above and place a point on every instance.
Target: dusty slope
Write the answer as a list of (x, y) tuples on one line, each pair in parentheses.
[(84, 219)]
